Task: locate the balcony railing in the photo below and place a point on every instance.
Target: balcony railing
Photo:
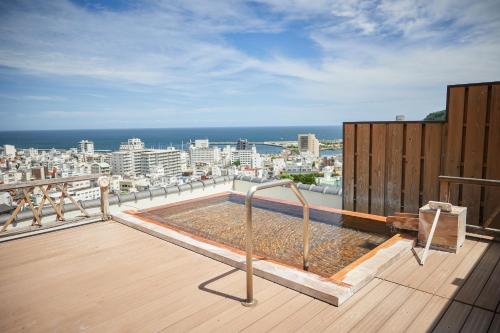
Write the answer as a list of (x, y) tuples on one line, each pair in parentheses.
[(22, 191)]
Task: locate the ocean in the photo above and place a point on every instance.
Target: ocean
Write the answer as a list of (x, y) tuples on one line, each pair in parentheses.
[(109, 139)]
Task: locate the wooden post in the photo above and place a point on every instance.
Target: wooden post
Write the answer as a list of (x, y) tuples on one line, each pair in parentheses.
[(104, 186)]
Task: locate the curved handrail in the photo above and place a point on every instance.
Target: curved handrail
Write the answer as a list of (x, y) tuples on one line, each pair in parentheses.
[(250, 301)]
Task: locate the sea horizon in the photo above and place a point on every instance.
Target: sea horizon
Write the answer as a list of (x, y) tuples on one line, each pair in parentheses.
[(110, 139)]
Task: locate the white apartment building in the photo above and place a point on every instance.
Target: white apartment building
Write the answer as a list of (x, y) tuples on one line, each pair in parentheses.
[(247, 157), (80, 191), (101, 168), (9, 150), (135, 161), (205, 155), (122, 163), (90, 193), (87, 147), (132, 144), (308, 144)]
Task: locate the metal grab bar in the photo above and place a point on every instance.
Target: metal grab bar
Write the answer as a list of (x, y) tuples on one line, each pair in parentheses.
[(250, 301)]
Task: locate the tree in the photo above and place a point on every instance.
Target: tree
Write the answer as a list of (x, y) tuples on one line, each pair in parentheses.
[(306, 178), (436, 116), (237, 163)]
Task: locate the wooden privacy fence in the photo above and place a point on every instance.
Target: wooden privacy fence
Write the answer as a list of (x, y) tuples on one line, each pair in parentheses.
[(394, 167)]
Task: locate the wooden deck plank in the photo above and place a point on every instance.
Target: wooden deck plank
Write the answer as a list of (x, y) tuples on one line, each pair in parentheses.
[(275, 298), (383, 311), (323, 319), (412, 271), (428, 318), (348, 319), (421, 273), (407, 255), (134, 292), (300, 317), (238, 320), (108, 277), (454, 318), (191, 314), (458, 277), (478, 321), (495, 324), (182, 309), (490, 295), (275, 317), (404, 316), (479, 277), (439, 276)]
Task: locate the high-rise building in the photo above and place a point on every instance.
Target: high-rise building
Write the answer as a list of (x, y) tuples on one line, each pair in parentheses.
[(308, 144), (122, 163), (9, 150), (201, 153), (133, 159), (87, 147), (242, 144)]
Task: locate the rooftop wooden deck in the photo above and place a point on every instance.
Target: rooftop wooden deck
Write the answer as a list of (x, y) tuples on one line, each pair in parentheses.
[(108, 277)]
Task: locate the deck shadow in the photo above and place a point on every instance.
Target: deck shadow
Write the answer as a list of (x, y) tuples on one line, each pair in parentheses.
[(203, 286)]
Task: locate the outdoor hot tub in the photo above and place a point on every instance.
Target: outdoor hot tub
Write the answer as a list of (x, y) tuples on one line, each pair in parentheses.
[(347, 249)]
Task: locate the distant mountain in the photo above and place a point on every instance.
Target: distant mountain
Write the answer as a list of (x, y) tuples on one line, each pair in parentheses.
[(438, 115)]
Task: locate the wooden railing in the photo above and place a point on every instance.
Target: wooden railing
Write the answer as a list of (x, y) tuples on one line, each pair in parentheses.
[(447, 181), (23, 190)]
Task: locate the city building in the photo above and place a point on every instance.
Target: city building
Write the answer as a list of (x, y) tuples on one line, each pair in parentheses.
[(9, 151), (102, 168), (122, 163), (132, 144), (246, 157), (243, 144), (201, 143), (86, 147), (202, 153), (133, 160), (308, 144)]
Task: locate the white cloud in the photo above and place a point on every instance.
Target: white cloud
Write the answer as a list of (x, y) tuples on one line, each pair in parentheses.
[(374, 57)]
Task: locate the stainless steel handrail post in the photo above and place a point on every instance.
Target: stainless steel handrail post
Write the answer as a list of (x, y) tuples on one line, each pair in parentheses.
[(250, 301)]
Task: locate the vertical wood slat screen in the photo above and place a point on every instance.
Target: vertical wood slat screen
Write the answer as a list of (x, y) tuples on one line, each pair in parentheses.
[(389, 159), (394, 166), (473, 148)]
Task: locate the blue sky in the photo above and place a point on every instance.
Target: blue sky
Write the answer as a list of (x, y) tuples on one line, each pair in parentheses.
[(187, 63)]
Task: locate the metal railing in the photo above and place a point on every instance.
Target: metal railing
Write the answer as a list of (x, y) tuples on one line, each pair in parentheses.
[(250, 301)]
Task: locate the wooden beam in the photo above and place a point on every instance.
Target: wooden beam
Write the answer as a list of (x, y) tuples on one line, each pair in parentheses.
[(20, 205), (85, 213), (53, 204), (61, 199), (40, 207), (36, 218)]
